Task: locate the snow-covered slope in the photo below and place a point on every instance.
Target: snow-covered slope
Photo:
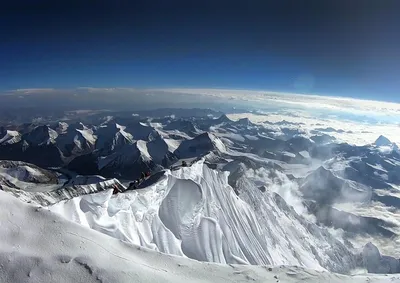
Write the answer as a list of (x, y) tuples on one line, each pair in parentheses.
[(193, 212), (39, 246)]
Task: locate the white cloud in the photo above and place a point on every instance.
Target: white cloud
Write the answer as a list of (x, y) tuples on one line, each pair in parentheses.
[(351, 105)]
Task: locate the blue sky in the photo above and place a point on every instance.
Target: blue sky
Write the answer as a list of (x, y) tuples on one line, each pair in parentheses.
[(344, 48)]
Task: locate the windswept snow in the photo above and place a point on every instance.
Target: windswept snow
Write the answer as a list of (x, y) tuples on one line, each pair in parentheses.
[(193, 212)]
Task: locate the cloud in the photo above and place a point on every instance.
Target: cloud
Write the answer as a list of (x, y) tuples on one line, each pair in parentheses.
[(350, 105), (377, 210), (279, 100), (26, 91)]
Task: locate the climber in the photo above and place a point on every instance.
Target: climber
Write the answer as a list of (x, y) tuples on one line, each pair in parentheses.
[(148, 174), (184, 164)]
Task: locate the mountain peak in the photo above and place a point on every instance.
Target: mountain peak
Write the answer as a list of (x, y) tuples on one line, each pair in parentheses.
[(244, 121), (382, 141), (199, 146), (41, 135), (223, 118)]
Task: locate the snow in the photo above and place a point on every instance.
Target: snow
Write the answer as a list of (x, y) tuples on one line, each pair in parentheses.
[(250, 137), (289, 154), (377, 167), (55, 194), (305, 154), (10, 137), (25, 176), (232, 136), (40, 246), (193, 212), (142, 147), (172, 144), (387, 149), (88, 135)]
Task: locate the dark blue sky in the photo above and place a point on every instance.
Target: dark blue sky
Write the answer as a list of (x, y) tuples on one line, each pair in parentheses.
[(341, 47)]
